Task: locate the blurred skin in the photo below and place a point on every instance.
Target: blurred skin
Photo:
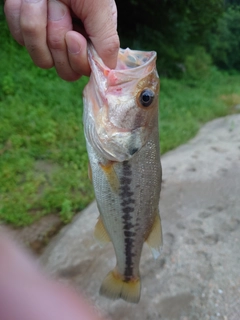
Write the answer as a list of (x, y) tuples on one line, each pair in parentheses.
[(54, 32), (25, 293)]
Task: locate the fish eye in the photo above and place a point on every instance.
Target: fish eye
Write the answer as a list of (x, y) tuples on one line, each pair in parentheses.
[(146, 97)]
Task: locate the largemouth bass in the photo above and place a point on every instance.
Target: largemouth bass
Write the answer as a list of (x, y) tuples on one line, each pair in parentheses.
[(122, 136)]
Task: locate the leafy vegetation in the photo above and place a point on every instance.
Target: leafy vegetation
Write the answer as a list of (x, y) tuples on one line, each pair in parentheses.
[(224, 41), (175, 28), (43, 159), (186, 105), (172, 28)]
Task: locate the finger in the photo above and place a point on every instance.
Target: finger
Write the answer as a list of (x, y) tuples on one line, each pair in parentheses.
[(114, 12), (33, 24), (99, 19), (103, 33), (25, 293), (59, 23), (77, 53), (12, 11)]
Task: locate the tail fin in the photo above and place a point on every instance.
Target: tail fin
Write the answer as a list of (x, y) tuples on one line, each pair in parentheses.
[(114, 287)]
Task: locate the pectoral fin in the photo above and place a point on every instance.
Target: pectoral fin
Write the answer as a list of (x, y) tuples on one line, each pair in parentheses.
[(89, 171), (100, 233), (111, 175), (154, 239)]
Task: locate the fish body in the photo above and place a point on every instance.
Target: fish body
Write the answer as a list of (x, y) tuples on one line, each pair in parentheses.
[(122, 136)]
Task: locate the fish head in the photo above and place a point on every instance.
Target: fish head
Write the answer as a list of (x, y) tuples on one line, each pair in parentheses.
[(124, 102)]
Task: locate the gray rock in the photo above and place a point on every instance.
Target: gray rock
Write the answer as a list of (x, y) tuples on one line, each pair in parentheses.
[(197, 275)]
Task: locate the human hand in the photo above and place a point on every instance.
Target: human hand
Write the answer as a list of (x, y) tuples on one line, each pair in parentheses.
[(25, 293), (51, 32)]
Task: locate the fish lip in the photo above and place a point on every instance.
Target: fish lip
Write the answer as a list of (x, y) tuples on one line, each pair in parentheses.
[(132, 73)]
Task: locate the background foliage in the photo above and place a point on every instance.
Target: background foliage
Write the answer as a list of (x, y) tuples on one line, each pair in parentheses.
[(175, 28), (43, 160), (223, 43)]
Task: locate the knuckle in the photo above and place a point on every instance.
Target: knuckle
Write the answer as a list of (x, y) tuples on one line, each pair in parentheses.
[(30, 28), (40, 55), (113, 44), (32, 48), (56, 41)]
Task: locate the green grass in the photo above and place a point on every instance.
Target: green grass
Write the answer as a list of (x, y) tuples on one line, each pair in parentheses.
[(43, 160), (185, 106)]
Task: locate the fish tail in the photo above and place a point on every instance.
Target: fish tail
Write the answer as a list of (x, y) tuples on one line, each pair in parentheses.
[(115, 287)]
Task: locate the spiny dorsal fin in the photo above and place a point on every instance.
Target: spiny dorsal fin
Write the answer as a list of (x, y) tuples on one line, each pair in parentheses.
[(100, 233), (114, 287), (154, 239)]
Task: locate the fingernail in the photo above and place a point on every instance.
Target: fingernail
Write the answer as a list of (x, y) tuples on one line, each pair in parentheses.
[(56, 10), (73, 46)]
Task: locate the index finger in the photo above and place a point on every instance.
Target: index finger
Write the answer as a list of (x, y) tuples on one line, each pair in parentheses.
[(33, 23), (100, 23)]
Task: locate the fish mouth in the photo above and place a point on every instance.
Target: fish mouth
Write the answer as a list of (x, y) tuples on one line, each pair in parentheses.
[(129, 59), (131, 63)]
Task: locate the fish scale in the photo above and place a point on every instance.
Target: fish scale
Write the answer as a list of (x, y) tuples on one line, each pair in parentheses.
[(125, 163)]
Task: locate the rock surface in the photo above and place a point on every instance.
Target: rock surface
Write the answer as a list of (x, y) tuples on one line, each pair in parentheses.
[(198, 273)]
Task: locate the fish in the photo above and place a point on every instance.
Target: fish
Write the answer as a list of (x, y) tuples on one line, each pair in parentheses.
[(122, 138)]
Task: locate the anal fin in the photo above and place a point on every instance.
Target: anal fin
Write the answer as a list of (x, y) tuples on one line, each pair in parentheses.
[(154, 239), (100, 233), (114, 287)]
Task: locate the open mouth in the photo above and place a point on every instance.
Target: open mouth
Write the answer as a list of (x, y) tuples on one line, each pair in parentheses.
[(129, 59)]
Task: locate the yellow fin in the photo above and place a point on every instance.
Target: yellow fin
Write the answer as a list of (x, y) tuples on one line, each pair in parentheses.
[(111, 175), (100, 233), (89, 171), (114, 287), (154, 239)]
